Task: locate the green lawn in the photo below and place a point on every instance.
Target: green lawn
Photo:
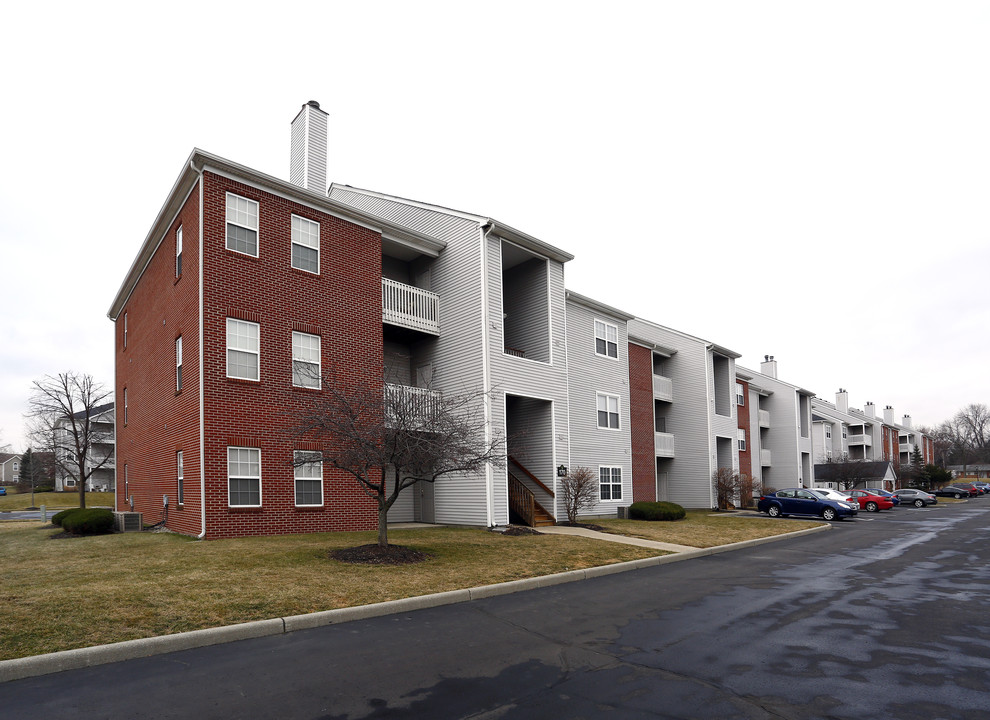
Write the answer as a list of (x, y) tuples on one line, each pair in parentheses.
[(21, 501), (703, 528)]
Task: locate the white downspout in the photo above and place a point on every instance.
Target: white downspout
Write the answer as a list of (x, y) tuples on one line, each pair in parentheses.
[(202, 381), (710, 408), (486, 368)]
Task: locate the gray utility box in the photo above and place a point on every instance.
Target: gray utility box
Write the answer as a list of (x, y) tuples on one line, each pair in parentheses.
[(128, 522)]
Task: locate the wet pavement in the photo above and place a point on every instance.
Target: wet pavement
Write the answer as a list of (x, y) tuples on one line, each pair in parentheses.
[(884, 616)]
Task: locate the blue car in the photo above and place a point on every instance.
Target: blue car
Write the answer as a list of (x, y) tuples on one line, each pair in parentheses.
[(803, 501), (896, 500), (3, 491)]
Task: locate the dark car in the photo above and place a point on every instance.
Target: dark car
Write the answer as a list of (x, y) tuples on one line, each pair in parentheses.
[(913, 496), (869, 501), (802, 501), (982, 487), (956, 491)]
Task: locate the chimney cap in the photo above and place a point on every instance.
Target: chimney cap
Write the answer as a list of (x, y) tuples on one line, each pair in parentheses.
[(314, 104)]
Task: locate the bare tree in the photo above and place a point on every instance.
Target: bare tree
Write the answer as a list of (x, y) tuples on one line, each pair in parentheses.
[(727, 487), (578, 491), (845, 472), (63, 412), (388, 440)]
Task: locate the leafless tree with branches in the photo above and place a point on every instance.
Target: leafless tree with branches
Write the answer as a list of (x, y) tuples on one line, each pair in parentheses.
[(62, 413), (388, 440), (578, 491)]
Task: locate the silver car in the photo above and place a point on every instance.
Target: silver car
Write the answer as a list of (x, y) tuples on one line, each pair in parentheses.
[(918, 498)]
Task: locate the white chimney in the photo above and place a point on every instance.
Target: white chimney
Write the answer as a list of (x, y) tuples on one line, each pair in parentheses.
[(769, 366), (906, 421), (870, 409), (842, 401), (888, 415), (308, 154)]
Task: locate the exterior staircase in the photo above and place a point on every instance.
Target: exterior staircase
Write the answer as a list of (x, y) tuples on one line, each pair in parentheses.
[(522, 501)]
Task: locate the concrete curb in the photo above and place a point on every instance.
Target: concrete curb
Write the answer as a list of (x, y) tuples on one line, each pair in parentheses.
[(21, 668)]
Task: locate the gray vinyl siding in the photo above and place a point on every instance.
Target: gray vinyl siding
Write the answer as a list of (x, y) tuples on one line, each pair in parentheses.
[(456, 355), (589, 374), (783, 439), (755, 434), (688, 417), (524, 294), (528, 378)]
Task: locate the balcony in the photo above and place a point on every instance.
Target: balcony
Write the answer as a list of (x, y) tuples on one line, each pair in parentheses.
[(860, 440), (410, 307), (764, 458), (409, 407), (663, 388), (664, 444), (906, 448), (764, 416)]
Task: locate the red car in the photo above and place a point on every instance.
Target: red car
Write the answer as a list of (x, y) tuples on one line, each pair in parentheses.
[(868, 501)]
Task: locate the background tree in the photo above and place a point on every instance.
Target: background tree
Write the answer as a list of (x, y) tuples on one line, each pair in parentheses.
[(26, 476), (845, 472), (388, 440), (578, 491), (62, 413), (727, 487)]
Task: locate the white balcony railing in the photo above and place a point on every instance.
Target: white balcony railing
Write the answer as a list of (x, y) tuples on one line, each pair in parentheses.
[(764, 458), (664, 444), (663, 388), (764, 416), (409, 406), (410, 307), (860, 440), (907, 448)]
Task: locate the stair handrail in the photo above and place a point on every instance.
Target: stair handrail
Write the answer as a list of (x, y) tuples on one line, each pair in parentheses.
[(531, 476)]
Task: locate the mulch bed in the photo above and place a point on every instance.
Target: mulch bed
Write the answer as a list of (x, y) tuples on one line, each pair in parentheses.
[(515, 530), (375, 555)]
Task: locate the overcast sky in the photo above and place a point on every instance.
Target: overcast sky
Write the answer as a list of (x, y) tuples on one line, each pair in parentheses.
[(807, 180)]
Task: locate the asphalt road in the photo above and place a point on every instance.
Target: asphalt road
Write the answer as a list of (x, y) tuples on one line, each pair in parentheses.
[(882, 617)]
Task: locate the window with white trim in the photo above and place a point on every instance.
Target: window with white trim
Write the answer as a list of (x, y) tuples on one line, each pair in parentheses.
[(178, 252), (180, 490), (309, 477), (125, 330), (243, 349), (606, 339), (242, 225), (610, 483), (178, 364), (740, 394), (243, 477), (305, 244), (305, 360), (608, 411), (742, 439), (125, 406)]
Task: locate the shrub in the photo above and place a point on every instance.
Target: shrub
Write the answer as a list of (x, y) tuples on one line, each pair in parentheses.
[(656, 511), (58, 517), (91, 521)]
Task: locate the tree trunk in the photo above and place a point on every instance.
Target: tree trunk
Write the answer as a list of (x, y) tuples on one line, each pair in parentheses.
[(382, 514), (82, 492)]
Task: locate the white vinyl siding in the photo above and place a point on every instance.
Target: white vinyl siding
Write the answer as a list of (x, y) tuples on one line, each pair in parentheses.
[(242, 225), (306, 360), (308, 477), (244, 477), (305, 244), (243, 349)]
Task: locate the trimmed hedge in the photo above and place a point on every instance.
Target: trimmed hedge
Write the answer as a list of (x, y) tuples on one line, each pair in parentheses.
[(58, 517), (89, 521), (656, 511)]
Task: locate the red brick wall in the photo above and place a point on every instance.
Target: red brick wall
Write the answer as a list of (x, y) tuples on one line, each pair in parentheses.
[(644, 460), (342, 304), (742, 412), (161, 421)]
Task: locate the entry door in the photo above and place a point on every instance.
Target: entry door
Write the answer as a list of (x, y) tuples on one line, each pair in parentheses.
[(662, 487), (426, 513)]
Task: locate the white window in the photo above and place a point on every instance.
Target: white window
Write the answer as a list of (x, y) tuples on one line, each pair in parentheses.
[(305, 244), (305, 360), (608, 411), (244, 477), (610, 483), (309, 477), (125, 330), (242, 225), (243, 349), (606, 339), (178, 364), (742, 439), (180, 490), (125, 406), (178, 252), (828, 431), (740, 394)]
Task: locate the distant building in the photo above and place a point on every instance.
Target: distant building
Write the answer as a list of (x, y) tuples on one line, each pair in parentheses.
[(100, 458)]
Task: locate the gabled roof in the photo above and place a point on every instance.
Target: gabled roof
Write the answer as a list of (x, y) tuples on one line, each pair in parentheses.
[(876, 470), (597, 306), (201, 161), (485, 222), (94, 412), (640, 339)]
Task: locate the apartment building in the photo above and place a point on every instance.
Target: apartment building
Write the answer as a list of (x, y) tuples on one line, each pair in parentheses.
[(100, 461), (10, 468), (782, 413), (683, 414)]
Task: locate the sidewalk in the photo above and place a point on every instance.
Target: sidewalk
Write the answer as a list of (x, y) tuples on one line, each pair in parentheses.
[(611, 537)]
